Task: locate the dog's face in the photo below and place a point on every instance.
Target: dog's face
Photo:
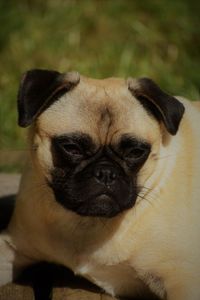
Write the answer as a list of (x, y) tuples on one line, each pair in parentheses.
[(95, 141)]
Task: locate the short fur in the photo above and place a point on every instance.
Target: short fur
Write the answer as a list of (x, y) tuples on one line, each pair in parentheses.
[(152, 242)]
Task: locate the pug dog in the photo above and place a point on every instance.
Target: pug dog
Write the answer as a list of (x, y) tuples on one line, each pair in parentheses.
[(112, 185)]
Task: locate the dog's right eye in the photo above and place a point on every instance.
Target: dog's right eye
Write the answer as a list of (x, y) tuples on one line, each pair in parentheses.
[(71, 149), (74, 148)]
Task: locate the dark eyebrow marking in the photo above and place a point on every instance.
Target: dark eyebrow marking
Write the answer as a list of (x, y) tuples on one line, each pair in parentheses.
[(129, 140), (83, 139)]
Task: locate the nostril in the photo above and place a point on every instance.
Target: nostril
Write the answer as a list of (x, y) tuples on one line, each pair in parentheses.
[(99, 174), (105, 175), (113, 175)]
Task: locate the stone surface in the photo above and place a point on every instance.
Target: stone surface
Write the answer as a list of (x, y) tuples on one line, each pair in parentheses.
[(16, 292)]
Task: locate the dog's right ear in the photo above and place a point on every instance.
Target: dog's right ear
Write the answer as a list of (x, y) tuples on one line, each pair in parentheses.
[(39, 89)]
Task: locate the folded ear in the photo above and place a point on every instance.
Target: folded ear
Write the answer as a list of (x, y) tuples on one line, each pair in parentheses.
[(163, 106), (38, 90)]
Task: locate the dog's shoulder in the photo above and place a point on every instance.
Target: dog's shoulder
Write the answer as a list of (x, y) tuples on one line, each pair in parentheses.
[(189, 103)]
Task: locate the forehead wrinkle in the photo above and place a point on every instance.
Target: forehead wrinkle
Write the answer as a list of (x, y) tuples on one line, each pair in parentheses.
[(105, 117), (112, 114), (105, 122)]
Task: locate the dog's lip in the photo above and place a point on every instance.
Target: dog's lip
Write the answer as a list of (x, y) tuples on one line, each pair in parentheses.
[(103, 197), (106, 194), (103, 203)]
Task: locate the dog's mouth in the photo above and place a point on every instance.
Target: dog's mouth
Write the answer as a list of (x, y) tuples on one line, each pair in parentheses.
[(103, 205), (100, 205)]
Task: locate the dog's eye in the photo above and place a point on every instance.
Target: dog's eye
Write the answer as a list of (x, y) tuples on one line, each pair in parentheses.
[(71, 149), (137, 152)]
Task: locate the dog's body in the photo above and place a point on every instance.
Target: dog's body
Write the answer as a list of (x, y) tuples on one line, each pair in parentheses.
[(153, 241)]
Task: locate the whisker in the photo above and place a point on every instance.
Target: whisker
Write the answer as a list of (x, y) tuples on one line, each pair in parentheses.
[(144, 187), (144, 198), (147, 194), (164, 157)]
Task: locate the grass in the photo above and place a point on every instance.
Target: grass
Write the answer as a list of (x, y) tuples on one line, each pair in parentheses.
[(99, 38)]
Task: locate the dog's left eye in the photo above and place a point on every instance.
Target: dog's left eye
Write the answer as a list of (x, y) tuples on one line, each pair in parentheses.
[(136, 153)]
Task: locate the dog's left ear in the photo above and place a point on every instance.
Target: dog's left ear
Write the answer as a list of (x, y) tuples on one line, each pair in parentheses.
[(38, 90), (163, 106)]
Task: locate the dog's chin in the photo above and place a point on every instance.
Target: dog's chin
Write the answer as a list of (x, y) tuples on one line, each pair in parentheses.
[(102, 205)]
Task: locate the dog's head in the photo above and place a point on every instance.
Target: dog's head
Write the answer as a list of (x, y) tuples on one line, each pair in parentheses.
[(95, 141)]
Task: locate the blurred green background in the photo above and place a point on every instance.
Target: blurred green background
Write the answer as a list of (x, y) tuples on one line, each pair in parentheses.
[(99, 38)]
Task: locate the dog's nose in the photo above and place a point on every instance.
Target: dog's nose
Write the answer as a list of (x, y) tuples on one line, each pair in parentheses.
[(105, 174)]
